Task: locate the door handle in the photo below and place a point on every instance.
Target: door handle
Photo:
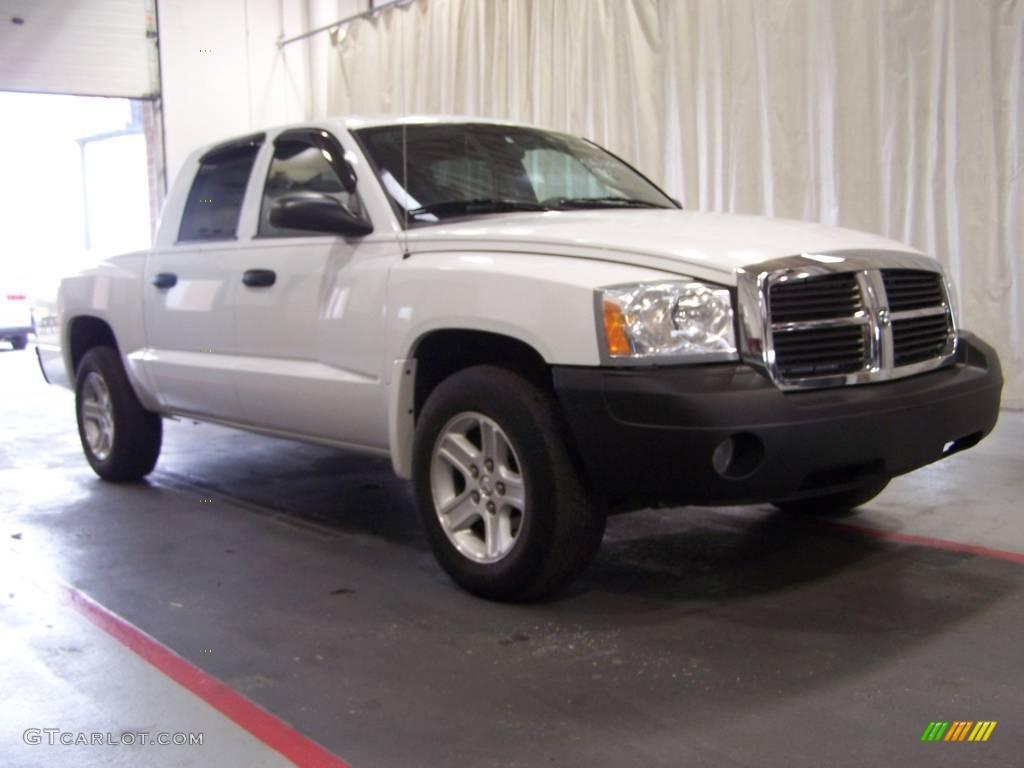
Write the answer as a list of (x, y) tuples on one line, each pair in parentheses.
[(259, 278), (165, 280)]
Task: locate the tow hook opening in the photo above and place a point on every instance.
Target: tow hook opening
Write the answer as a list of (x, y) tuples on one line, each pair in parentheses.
[(961, 444), (738, 456)]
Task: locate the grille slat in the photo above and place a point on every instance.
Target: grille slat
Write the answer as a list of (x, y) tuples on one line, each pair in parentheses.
[(916, 339), (822, 297), (919, 338), (820, 351), (823, 351), (908, 336), (806, 346), (912, 289), (805, 355)]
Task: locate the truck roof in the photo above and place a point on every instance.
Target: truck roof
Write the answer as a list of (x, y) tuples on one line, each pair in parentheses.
[(354, 122)]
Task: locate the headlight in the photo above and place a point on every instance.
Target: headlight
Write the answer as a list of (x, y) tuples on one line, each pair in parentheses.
[(653, 322)]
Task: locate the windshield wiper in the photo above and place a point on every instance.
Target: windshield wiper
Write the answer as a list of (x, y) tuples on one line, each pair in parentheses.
[(480, 205), (598, 202)]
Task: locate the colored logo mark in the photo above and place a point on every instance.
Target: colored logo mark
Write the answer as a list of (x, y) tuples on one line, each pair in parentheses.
[(959, 730)]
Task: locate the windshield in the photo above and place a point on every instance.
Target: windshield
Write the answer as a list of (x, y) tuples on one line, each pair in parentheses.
[(457, 170)]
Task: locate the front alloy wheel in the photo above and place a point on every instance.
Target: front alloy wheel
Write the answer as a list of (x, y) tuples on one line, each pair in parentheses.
[(502, 501), (477, 486)]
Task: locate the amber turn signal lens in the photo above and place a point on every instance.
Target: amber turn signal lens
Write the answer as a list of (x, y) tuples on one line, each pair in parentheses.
[(615, 330)]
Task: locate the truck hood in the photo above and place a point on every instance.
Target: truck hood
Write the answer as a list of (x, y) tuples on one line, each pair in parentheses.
[(709, 245)]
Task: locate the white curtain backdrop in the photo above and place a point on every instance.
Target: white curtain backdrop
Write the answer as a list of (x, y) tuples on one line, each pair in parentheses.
[(901, 117)]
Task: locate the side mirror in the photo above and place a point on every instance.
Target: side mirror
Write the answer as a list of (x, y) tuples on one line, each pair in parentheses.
[(316, 212)]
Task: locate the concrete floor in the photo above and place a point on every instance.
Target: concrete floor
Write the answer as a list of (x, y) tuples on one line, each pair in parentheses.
[(733, 637)]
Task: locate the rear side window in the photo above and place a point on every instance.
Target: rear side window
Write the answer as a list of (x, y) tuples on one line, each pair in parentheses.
[(215, 200)]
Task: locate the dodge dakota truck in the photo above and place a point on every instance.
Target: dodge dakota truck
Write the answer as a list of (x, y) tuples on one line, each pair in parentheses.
[(531, 330)]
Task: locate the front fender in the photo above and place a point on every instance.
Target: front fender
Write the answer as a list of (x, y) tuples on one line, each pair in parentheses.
[(546, 302)]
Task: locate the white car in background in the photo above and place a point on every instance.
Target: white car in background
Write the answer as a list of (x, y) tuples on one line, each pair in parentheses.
[(15, 317)]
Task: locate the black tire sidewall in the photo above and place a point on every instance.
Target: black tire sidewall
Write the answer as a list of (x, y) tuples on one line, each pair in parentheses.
[(511, 402), (137, 432)]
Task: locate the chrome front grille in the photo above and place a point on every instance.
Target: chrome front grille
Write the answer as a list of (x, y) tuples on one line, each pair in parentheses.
[(832, 320)]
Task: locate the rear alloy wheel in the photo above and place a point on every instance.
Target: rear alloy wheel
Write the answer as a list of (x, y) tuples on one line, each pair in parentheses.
[(500, 497), (834, 504), (97, 411), (19, 342), (120, 438)]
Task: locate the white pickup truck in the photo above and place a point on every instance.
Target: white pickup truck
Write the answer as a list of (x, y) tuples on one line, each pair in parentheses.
[(531, 330)]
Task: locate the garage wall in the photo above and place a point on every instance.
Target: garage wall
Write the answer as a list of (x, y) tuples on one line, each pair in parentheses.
[(94, 48), (322, 13), (901, 117), (223, 73)]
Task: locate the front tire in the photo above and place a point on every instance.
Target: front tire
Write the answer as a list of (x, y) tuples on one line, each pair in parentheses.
[(20, 341), (120, 438), (502, 502), (834, 504)]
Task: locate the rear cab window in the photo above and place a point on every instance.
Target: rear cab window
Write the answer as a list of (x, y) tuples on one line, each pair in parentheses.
[(215, 200)]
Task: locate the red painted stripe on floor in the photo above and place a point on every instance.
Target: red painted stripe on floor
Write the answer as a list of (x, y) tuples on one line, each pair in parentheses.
[(273, 732), (924, 541)]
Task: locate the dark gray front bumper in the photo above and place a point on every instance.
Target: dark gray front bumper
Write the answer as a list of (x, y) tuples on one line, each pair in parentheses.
[(648, 436)]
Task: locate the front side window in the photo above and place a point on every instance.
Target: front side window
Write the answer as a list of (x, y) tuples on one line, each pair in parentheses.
[(215, 200), (302, 165), (437, 171)]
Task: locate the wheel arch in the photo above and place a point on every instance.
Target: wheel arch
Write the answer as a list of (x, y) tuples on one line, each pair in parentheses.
[(442, 352), (433, 357), (84, 333)]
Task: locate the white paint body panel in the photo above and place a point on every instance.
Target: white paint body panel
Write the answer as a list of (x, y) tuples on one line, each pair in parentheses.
[(308, 348), (327, 353), (189, 330), (704, 245)]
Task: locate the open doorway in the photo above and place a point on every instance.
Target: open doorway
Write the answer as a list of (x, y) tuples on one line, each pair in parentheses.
[(83, 178)]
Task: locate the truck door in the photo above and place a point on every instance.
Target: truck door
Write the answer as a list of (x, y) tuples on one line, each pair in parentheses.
[(309, 325), (191, 287)]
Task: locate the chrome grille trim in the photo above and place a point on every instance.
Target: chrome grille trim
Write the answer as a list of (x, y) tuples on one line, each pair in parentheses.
[(887, 355)]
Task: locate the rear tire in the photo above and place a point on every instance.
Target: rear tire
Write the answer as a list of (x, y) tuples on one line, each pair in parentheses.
[(120, 438), (19, 342), (490, 450), (834, 504)]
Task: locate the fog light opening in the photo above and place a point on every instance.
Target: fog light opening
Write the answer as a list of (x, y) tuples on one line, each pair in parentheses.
[(738, 456), (721, 457)]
